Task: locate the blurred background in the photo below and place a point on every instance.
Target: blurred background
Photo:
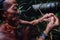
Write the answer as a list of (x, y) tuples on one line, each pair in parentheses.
[(34, 31)]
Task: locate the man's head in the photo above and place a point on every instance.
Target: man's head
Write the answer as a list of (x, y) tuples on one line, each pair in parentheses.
[(11, 9)]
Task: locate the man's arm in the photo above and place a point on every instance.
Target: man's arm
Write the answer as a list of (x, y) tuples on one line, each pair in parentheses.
[(36, 21), (24, 22), (53, 22)]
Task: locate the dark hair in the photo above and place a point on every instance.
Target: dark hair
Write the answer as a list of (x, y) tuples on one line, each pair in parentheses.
[(1, 9), (1, 4), (4, 6)]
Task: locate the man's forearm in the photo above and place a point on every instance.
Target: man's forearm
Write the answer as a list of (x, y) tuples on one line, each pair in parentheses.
[(24, 22), (34, 22)]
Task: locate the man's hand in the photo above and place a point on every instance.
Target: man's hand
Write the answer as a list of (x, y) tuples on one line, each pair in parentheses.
[(34, 22), (44, 18), (53, 22)]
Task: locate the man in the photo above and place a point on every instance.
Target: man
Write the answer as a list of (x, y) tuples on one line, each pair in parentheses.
[(11, 21)]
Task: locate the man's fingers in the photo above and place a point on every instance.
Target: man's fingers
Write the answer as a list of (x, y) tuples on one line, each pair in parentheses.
[(47, 19), (56, 21), (45, 15), (48, 15), (51, 14), (52, 20)]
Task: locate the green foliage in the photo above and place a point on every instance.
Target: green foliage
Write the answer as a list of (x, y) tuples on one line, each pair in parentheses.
[(22, 9)]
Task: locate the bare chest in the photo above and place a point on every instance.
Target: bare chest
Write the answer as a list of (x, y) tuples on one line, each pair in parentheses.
[(7, 32)]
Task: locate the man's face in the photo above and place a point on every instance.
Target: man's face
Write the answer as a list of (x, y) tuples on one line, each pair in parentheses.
[(12, 11)]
